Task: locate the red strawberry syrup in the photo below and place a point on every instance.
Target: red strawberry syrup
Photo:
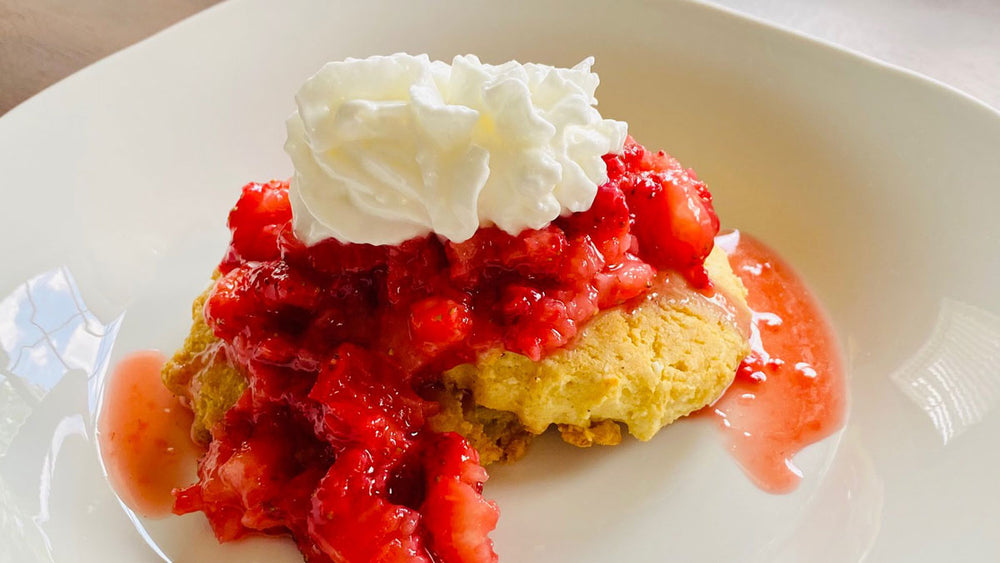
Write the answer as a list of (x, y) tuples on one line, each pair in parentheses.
[(790, 391), (145, 436)]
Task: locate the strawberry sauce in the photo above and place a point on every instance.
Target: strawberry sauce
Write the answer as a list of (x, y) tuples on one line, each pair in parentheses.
[(329, 444), (145, 436), (790, 391)]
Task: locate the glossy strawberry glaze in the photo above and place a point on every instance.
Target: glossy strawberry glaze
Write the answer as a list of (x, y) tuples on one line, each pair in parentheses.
[(790, 391), (145, 436), (338, 340)]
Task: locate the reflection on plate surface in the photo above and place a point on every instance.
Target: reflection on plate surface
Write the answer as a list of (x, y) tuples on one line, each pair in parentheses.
[(953, 376), (55, 353)]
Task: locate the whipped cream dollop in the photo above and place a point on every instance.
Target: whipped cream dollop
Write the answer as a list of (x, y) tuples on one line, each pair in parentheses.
[(393, 147)]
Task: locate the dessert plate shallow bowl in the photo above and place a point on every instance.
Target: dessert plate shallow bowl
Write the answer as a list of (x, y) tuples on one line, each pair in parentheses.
[(880, 186)]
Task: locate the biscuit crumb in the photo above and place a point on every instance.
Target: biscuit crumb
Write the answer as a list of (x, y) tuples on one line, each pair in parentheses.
[(601, 433)]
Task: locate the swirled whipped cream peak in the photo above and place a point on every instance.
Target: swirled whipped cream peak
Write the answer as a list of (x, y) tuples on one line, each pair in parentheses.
[(393, 147)]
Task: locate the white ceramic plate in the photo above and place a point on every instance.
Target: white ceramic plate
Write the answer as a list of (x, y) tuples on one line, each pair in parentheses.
[(882, 187)]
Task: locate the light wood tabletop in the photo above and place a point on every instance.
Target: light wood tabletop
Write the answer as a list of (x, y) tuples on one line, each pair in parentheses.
[(43, 41)]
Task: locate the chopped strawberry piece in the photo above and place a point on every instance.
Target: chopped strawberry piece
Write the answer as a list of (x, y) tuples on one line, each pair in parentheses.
[(250, 468), (256, 220), (458, 518), (532, 253), (350, 521), (364, 399), (439, 320), (628, 280), (544, 322), (330, 256), (537, 253), (606, 222), (229, 308), (672, 214), (278, 286)]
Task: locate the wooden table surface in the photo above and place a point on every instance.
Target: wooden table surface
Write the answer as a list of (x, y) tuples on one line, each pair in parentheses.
[(43, 41)]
